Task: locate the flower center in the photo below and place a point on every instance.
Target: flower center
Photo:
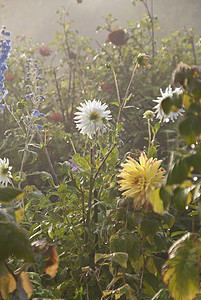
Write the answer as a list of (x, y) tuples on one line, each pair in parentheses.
[(95, 116), (4, 170)]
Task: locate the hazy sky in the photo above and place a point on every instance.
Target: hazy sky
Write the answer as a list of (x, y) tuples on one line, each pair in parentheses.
[(37, 18)]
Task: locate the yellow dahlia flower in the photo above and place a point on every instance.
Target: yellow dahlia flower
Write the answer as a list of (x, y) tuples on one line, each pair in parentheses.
[(139, 179)]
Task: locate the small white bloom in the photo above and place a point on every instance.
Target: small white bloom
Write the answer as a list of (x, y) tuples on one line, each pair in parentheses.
[(159, 110), (5, 173), (91, 117)]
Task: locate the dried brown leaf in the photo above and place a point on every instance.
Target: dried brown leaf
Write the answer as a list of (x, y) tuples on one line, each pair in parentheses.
[(52, 263), (25, 283), (7, 285)]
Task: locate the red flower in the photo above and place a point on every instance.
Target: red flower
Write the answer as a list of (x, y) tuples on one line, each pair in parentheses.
[(56, 117), (108, 87), (45, 51), (9, 77), (118, 37)]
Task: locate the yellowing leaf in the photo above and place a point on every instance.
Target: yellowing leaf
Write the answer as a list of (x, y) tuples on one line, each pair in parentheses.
[(52, 264), (156, 202), (7, 285), (181, 272), (18, 215)]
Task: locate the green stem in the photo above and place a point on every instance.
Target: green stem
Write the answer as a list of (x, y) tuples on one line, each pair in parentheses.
[(149, 132)]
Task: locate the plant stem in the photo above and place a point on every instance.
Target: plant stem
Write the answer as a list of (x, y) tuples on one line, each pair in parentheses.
[(48, 158), (149, 132)]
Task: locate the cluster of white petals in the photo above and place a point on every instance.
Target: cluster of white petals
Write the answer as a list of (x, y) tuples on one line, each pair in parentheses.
[(160, 114), (92, 117), (5, 173)]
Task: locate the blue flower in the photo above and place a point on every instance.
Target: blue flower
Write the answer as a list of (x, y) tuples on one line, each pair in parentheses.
[(40, 127), (36, 113), (4, 53), (3, 107)]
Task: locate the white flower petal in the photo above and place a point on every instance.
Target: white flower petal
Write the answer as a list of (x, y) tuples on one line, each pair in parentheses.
[(83, 117), (5, 174), (160, 114)]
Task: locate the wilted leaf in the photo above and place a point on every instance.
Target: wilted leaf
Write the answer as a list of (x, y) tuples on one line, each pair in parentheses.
[(52, 263), (7, 285), (24, 285), (181, 272), (7, 194)]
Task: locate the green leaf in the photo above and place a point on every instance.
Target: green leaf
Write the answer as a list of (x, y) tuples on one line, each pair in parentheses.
[(113, 157), (190, 127), (3, 269), (115, 103), (7, 194), (182, 197), (99, 256), (149, 226), (179, 172), (152, 152), (163, 294), (14, 241), (156, 202), (181, 272), (169, 219), (83, 163), (121, 258)]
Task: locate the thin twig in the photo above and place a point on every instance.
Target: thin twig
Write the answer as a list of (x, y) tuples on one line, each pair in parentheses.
[(106, 156)]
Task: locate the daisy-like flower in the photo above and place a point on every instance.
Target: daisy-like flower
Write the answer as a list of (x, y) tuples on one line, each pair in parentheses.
[(139, 179), (173, 115), (92, 117), (5, 173)]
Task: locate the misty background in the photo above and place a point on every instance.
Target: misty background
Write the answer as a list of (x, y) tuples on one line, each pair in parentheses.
[(37, 19)]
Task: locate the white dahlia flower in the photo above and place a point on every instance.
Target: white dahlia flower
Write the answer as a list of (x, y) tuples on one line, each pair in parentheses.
[(173, 115), (92, 117), (5, 173)]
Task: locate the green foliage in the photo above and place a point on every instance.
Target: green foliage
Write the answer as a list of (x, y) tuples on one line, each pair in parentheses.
[(107, 249)]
